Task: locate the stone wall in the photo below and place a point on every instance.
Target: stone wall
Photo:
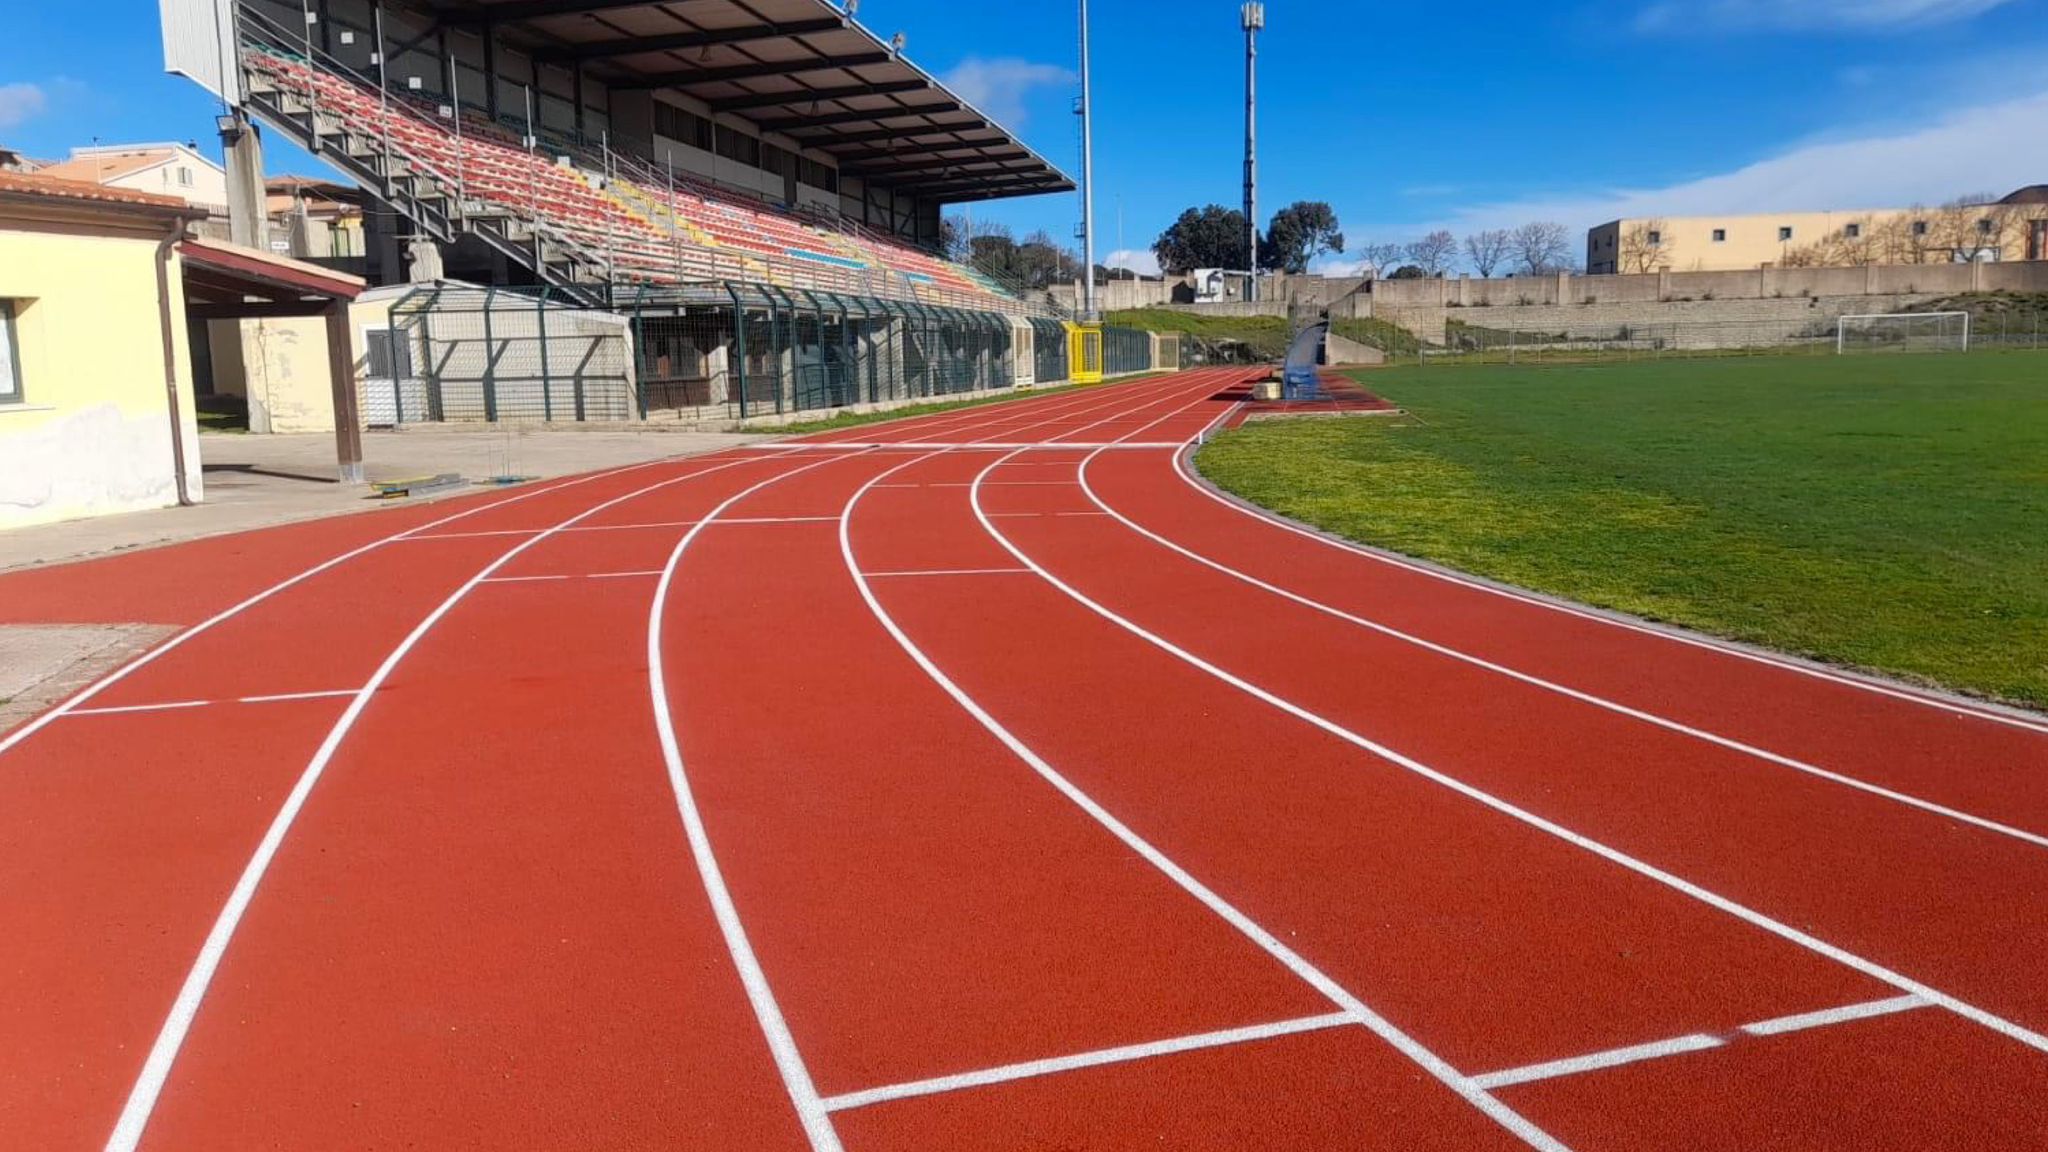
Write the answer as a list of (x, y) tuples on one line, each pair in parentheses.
[(1781, 302)]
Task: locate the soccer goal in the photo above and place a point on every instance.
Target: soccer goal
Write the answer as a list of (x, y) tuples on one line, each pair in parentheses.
[(1904, 332)]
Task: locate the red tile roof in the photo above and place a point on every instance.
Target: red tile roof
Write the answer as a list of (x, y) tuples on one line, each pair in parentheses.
[(37, 184)]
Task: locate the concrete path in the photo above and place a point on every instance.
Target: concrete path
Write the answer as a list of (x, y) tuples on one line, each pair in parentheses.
[(258, 481)]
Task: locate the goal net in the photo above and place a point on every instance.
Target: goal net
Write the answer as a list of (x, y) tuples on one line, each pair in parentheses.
[(1904, 332)]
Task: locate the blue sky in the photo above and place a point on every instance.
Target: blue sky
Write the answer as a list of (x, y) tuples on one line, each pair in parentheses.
[(1404, 116)]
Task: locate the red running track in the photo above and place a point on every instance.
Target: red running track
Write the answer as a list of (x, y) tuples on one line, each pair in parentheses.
[(983, 781)]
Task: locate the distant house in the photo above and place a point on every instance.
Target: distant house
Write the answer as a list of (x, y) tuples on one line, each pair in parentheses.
[(2031, 203), (2015, 228), (12, 160), (318, 220), (176, 170)]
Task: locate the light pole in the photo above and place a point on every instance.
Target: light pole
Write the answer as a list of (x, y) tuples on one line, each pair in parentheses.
[(1254, 15), (1090, 314)]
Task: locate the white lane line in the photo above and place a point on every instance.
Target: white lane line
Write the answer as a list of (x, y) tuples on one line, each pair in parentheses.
[(281, 697), (1612, 1058), (179, 705), (957, 572), (632, 527), (1534, 681), (1698, 1041), (124, 709), (796, 1077), (1780, 1025), (1033, 1068), (553, 578), (1950, 705), (16, 737), (170, 1040), (474, 535), (744, 520), (1742, 912)]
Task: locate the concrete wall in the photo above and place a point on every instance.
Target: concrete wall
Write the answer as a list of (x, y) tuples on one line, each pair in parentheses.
[(1775, 295), (1688, 243), (92, 433), (1275, 293)]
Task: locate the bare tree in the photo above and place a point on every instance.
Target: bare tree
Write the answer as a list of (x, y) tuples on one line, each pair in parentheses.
[(1434, 253), (1384, 258), (1646, 247), (1902, 238), (1543, 246), (1973, 228), (1489, 250)]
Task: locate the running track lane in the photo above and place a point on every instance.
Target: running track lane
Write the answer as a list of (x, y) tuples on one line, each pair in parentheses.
[(1914, 891), (1505, 948), (1979, 760), (127, 861), (1618, 785)]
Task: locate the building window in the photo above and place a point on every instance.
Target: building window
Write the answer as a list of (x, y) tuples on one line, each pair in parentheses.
[(1853, 231), (389, 354), (185, 177), (1919, 227), (1720, 235), (1656, 238), (1983, 227), (1784, 234), (10, 356)]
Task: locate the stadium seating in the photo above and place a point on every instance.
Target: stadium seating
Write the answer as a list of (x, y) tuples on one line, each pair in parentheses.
[(629, 225)]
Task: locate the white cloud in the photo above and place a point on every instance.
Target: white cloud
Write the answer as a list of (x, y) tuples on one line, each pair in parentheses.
[(1001, 87), (1971, 150), (1817, 15), (20, 103), (1139, 260)]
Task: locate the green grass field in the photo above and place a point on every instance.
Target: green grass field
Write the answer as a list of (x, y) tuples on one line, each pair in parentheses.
[(1884, 512)]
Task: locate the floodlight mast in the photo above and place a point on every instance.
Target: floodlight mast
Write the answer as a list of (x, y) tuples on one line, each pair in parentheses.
[(1090, 313), (1254, 19)]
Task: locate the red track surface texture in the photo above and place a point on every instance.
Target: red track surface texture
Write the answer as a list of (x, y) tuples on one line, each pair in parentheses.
[(983, 781)]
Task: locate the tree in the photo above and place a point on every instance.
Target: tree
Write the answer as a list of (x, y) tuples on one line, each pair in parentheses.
[(958, 234), (1646, 247), (1973, 228), (1409, 272), (1298, 234), (1042, 262), (1383, 257), (1542, 247), (1433, 253), (1211, 237), (1489, 250)]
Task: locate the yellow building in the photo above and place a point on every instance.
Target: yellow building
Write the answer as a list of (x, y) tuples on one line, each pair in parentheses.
[(96, 411), (2015, 228)]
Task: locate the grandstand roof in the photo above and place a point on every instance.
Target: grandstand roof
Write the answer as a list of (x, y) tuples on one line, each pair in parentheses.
[(801, 68)]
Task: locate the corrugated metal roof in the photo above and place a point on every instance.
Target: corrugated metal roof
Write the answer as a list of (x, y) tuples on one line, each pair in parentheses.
[(802, 69)]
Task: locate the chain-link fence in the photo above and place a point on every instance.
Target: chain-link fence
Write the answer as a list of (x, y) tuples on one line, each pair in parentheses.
[(457, 352), (718, 353), (743, 351)]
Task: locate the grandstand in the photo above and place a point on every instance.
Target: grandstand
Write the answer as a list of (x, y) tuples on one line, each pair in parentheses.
[(756, 186), (596, 143)]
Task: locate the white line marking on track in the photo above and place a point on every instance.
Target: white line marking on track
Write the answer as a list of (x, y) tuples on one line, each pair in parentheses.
[(281, 697), (1742, 912), (956, 572), (796, 1077), (984, 1077), (571, 576), (471, 535), (1535, 681), (179, 705), (124, 709), (141, 1104), (1593, 1062), (1780, 1025), (1945, 704), (1699, 1041)]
